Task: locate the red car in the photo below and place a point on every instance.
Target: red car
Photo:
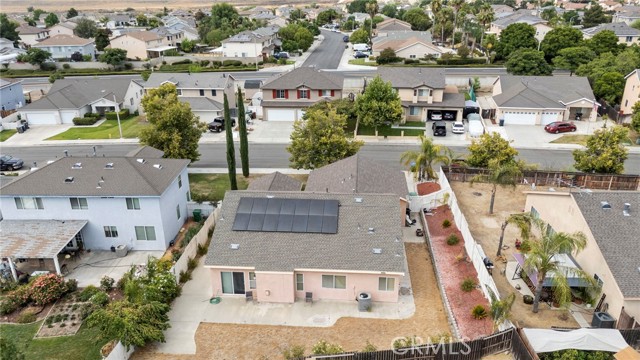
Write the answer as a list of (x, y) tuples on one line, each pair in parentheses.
[(560, 126)]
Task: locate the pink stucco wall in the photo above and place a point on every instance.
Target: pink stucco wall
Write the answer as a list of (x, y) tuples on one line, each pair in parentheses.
[(275, 287)]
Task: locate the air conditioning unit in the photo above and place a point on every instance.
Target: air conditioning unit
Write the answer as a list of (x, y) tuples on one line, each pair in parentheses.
[(603, 320)]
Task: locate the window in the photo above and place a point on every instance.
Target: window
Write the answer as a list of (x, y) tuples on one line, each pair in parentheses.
[(412, 56), (201, 92), (326, 93), (111, 231), (213, 93), (629, 39), (414, 110), (131, 101), (133, 204), (179, 92), (534, 213), (178, 211), (550, 230), (334, 281), (423, 92), (79, 203), (304, 94), (179, 181), (280, 94), (598, 280), (188, 196), (232, 282), (386, 284), (145, 233), (252, 280), (299, 282), (29, 203)]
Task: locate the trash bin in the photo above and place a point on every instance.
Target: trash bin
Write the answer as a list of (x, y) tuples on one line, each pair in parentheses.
[(20, 129), (501, 122), (364, 302), (197, 215)]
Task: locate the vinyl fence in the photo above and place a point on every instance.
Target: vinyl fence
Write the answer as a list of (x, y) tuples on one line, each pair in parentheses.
[(120, 352), (190, 250)]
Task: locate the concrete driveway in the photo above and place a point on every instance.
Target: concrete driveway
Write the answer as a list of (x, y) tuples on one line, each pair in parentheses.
[(269, 132), (534, 136)]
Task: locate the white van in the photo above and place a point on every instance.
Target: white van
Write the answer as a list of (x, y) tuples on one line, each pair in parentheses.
[(476, 128), (361, 47)]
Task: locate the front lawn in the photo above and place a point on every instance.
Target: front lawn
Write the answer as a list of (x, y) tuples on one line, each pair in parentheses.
[(416, 124), (211, 187), (107, 130), (5, 134), (388, 131), (85, 345), (364, 62), (571, 139)]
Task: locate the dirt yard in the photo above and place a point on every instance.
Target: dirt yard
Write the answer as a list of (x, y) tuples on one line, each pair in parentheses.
[(485, 229), (428, 188), (230, 341)]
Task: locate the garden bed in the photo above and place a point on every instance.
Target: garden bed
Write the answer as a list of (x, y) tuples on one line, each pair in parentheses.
[(428, 188), (64, 319)]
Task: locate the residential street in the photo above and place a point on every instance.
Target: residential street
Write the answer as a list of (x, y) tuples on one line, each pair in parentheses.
[(328, 54)]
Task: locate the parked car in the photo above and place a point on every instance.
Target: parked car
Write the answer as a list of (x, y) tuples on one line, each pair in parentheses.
[(448, 115), (439, 128), (436, 115), (359, 55), (8, 162), (345, 38), (217, 125), (457, 127), (281, 55), (473, 117), (560, 126)]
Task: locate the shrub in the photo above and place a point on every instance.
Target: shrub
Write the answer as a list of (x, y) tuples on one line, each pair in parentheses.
[(527, 299), (459, 61), (192, 264), (175, 254), (92, 115), (87, 57), (202, 250), (72, 285), (8, 305), (87, 293), (369, 347), (86, 310), (100, 299), (479, 312), (184, 276), (204, 63), (405, 342), (47, 288), (452, 239), (468, 284), (124, 113), (293, 352), (411, 61), (48, 67), (84, 121), (232, 63), (128, 66), (324, 348), (106, 283), (446, 223), (216, 63), (26, 317), (55, 76), (63, 325), (182, 62), (66, 66), (282, 61)]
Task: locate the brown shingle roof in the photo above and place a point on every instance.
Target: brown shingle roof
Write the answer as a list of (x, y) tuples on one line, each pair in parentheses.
[(64, 40)]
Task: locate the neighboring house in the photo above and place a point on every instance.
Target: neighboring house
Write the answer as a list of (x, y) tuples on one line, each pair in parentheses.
[(286, 97), (139, 44), (63, 46), (422, 90), (120, 20), (255, 44), (186, 25), (610, 5), (203, 91), (540, 100), (11, 95), (74, 97), (63, 28), (170, 36), (360, 17), (137, 202), (625, 33), (392, 24), (283, 246), (251, 87), (631, 95), (8, 52), (626, 14), (275, 181), (521, 16), (501, 10), (406, 44), (30, 35), (611, 223)]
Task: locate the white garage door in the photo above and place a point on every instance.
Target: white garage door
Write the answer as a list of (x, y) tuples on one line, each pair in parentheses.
[(519, 118), (549, 117), (40, 118), (67, 116), (281, 114), (206, 116)]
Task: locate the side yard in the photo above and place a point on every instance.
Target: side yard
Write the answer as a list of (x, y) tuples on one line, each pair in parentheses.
[(211, 187)]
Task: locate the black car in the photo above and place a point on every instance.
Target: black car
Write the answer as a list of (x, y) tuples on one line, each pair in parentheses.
[(439, 128), (217, 125), (360, 55), (448, 115), (345, 38), (10, 163)]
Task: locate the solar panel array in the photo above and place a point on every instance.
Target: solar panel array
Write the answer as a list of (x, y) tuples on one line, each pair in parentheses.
[(287, 215)]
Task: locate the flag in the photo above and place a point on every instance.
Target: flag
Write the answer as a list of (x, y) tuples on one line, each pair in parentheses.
[(472, 94)]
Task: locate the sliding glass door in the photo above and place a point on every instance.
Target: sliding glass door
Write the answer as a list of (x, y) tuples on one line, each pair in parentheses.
[(232, 282)]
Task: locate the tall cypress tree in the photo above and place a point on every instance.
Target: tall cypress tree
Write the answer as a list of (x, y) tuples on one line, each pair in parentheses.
[(244, 144), (231, 151)]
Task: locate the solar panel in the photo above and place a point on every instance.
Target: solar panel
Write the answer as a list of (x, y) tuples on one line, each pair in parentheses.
[(287, 215)]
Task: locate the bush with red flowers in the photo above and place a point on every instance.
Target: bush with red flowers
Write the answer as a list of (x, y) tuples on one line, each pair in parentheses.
[(47, 288)]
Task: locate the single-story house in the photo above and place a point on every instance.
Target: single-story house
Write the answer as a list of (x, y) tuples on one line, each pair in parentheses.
[(631, 95), (276, 181), (391, 24), (406, 44), (625, 33), (63, 46), (521, 16), (627, 14)]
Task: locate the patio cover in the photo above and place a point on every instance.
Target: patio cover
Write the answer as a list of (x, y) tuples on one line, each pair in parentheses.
[(36, 239), (162, 48), (566, 264), (543, 340)]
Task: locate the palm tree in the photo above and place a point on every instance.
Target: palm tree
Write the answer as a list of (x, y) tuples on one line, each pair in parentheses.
[(500, 309), (523, 221), (456, 5), (499, 174), (485, 16), (424, 158), (372, 9), (541, 259)]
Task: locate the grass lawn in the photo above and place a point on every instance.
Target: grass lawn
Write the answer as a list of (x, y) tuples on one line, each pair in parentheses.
[(5, 134), (213, 186), (388, 131), (85, 345), (106, 130), (416, 124), (571, 139), (365, 62)]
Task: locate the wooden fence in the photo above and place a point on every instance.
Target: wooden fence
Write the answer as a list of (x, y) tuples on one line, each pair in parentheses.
[(627, 321), (556, 178), (632, 337)]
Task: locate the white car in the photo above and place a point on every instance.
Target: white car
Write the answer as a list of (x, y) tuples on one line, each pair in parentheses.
[(436, 115), (457, 128)]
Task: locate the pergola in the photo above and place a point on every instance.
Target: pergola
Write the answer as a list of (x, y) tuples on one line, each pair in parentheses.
[(36, 239), (159, 50)]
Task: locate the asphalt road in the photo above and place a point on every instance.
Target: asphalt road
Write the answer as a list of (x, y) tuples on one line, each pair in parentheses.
[(276, 156), (328, 54)]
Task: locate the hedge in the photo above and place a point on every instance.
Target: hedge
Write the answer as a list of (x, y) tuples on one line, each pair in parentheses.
[(232, 63), (124, 113), (456, 61), (181, 62), (92, 115), (85, 120)]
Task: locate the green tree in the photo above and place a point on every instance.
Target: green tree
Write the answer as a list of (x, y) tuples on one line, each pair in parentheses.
[(132, 323), (142, 20), (464, 51), (560, 38), (387, 56), (85, 28), (502, 174), (514, 37), (9, 351), (231, 151), (51, 20), (29, 21), (572, 57), (327, 17), (594, 16), (37, 13), (72, 13), (609, 87), (358, 6), (635, 118), (360, 36), (319, 139), (221, 13), (114, 57), (389, 10), (635, 24), (102, 39), (187, 45), (379, 104), (571, 17), (295, 36), (524, 222), (174, 129), (501, 309), (242, 128), (421, 162), (296, 15), (604, 152), (528, 62), (8, 28), (604, 41), (418, 19), (443, 23), (488, 147), (549, 14), (37, 56)]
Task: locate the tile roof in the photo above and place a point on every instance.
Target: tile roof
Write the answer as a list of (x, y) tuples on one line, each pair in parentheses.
[(36, 239), (620, 29), (201, 103), (127, 177), (403, 77), (617, 235), (542, 91), (350, 249), (360, 175), (275, 181), (252, 84), (64, 40), (208, 80), (306, 76)]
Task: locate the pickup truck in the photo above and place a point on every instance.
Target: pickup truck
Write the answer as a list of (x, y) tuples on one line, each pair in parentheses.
[(217, 125)]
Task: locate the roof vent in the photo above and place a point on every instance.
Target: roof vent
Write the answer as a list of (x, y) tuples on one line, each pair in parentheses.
[(157, 166), (358, 199), (397, 239), (377, 251), (141, 161), (627, 209), (109, 166), (77, 166), (235, 246), (69, 179), (372, 230), (605, 205)]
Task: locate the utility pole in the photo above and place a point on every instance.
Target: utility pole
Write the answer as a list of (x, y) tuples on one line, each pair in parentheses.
[(118, 114)]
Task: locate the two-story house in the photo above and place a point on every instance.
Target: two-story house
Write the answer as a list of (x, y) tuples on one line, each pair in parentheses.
[(254, 45), (422, 91), (31, 35), (627, 14), (138, 44), (63, 28), (521, 16), (170, 37), (203, 91), (139, 202), (11, 95), (63, 46), (631, 95), (286, 97), (625, 33)]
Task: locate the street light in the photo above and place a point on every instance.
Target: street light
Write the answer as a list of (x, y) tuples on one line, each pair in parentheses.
[(117, 107)]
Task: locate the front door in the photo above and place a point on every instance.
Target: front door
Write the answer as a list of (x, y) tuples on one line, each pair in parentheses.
[(232, 282)]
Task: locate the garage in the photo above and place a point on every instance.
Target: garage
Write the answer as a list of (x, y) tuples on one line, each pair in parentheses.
[(281, 114), (207, 116), (68, 115), (519, 118), (40, 118), (549, 117)]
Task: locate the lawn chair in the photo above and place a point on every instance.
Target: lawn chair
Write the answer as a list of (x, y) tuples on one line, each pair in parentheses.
[(308, 297), (249, 296)]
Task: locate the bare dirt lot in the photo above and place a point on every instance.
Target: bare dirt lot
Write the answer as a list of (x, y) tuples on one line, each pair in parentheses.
[(230, 341), (485, 228)]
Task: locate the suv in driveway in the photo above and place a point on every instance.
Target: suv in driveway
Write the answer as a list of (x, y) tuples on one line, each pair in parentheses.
[(439, 128), (10, 163), (217, 125), (281, 55)]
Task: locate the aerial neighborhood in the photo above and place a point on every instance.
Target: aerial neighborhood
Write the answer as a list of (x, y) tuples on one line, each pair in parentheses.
[(359, 179)]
